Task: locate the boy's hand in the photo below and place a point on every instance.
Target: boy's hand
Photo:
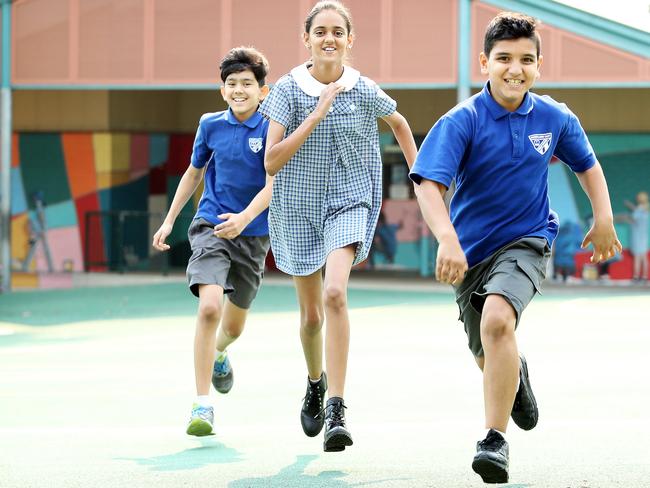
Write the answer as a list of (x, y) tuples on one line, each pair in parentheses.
[(602, 236), (160, 236), (232, 226), (326, 99), (451, 263)]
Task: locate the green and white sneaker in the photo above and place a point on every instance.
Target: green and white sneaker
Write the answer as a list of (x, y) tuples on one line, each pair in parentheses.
[(201, 421)]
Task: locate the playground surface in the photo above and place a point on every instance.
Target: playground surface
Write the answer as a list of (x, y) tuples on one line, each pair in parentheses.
[(96, 386)]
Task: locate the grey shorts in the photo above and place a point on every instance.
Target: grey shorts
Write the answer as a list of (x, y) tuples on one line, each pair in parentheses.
[(237, 265), (515, 272)]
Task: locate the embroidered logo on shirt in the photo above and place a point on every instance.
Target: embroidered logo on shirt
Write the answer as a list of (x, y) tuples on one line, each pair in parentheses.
[(541, 142), (255, 143)]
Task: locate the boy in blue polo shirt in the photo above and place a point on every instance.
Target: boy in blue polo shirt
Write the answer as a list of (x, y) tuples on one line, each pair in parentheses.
[(229, 233), (497, 146)]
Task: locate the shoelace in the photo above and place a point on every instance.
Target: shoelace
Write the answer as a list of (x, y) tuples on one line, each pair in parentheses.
[(337, 414), (491, 443), (202, 412), (314, 394), (222, 368)]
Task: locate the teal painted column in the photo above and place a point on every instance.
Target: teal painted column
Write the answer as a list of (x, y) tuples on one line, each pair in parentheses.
[(5, 145), (464, 40)]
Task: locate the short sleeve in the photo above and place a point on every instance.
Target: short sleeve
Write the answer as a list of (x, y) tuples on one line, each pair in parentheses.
[(441, 152), (277, 105), (384, 105), (201, 152), (573, 147)]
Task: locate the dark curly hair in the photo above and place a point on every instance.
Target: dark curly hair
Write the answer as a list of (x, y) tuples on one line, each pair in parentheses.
[(511, 25), (244, 58)]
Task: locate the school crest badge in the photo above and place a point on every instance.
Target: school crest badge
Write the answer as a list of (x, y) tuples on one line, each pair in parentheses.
[(255, 143), (541, 142)]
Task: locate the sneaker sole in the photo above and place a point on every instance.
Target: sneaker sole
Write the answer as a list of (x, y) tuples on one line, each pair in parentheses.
[(223, 389), (533, 422), (199, 428), (490, 471), (337, 441)]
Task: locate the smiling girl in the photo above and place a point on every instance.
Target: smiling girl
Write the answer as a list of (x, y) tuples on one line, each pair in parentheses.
[(323, 148)]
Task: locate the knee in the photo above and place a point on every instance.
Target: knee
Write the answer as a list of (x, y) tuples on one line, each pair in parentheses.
[(210, 312), (311, 320), (497, 323), (334, 297), (232, 329)]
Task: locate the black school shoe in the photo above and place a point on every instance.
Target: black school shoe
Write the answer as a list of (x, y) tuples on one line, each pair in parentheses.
[(491, 460), (311, 414), (337, 436), (524, 410)]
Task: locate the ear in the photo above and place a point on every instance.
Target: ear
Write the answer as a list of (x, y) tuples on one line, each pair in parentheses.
[(223, 92), (264, 91), (540, 59), (305, 40), (483, 61), (350, 41)]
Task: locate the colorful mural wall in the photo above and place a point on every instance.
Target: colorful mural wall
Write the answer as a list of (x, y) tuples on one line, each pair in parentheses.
[(58, 178)]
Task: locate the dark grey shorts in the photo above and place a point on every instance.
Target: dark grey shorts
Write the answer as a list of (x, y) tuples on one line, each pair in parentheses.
[(237, 265), (515, 272)]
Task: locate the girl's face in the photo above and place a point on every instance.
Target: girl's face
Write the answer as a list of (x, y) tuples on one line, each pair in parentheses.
[(328, 39)]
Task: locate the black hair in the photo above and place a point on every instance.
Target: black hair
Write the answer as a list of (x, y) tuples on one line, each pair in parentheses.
[(338, 7), (244, 58), (511, 25)]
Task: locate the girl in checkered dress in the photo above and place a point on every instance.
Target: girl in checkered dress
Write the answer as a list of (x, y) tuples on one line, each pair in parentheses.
[(323, 148)]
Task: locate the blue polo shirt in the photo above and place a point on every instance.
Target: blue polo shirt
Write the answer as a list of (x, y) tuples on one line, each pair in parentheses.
[(500, 160), (234, 154)]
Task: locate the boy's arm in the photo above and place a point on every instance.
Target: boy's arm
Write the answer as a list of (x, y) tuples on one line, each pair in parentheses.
[(278, 150), (602, 234), (186, 188), (403, 136), (234, 224), (451, 263)]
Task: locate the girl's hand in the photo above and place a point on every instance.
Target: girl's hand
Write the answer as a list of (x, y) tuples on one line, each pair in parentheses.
[(233, 225), (160, 236), (326, 99)]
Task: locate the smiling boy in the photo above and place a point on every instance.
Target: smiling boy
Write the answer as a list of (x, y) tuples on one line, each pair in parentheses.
[(229, 233), (497, 146)]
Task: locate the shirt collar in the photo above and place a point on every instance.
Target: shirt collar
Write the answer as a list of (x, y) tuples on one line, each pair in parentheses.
[(312, 87), (251, 122), (497, 111)]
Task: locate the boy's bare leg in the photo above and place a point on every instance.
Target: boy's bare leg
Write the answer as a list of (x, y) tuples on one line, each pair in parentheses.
[(232, 324), (210, 310), (335, 298), (501, 361), (309, 290)]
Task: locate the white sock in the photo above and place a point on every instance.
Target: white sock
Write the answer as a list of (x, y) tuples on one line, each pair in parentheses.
[(313, 382), (221, 355), (203, 400)]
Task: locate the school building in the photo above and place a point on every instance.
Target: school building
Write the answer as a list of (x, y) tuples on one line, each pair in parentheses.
[(100, 101)]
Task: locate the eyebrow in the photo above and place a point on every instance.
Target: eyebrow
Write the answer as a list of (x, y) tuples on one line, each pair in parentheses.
[(325, 27), (506, 53)]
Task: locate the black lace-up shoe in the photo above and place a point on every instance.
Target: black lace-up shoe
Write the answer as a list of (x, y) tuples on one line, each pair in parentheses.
[(311, 415), (524, 410), (337, 436), (491, 460)]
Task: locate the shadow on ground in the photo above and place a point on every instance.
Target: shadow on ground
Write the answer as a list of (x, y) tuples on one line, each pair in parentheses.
[(211, 452), (294, 476)]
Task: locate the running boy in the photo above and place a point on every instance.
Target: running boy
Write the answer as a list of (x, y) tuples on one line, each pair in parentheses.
[(497, 145), (323, 144), (229, 233)]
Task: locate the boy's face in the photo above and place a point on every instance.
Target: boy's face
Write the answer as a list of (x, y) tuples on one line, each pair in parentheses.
[(512, 68), (243, 94)]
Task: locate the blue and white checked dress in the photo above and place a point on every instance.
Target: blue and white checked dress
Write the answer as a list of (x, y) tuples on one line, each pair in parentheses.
[(329, 194)]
